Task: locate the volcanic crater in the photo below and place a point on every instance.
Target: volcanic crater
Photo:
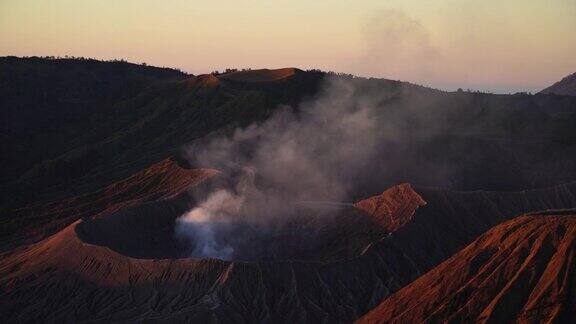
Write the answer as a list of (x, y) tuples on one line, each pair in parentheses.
[(315, 231)]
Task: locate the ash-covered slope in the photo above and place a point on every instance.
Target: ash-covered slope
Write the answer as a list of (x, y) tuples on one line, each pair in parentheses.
[(566, 86), (88, 272), (161, 181), (71, 276), (394, 208), (452, 219), (51, 106), (521, 271)]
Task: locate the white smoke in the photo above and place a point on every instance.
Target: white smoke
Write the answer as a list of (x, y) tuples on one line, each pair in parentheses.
[(398, 46), (324, 150), (203, 221)]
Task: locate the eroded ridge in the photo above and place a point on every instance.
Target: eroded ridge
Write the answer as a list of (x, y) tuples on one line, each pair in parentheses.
[(520, 271)]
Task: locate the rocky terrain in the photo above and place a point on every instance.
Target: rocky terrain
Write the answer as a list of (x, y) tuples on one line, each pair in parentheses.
[(521, 271), (97, 270)]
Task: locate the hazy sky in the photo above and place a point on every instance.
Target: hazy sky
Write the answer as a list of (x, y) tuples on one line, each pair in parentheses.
[(494, 45)]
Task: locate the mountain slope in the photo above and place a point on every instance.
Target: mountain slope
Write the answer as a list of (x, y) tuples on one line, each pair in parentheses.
[(566, 86), (82, 268), (73, 126), (58, 100), (55, 144), (161, 181), (520, 271)]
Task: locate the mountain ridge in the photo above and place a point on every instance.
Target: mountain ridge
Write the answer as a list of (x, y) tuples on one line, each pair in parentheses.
[(519, 271), (565, 87)]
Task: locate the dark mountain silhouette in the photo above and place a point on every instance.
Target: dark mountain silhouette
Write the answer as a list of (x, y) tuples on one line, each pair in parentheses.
[(75, 126), (565, 87)]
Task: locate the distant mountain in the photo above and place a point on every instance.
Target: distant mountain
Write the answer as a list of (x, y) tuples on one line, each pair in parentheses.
[(566, 86)]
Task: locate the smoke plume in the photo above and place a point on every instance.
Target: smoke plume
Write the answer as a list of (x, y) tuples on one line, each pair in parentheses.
[(326, 150), (398, 46)]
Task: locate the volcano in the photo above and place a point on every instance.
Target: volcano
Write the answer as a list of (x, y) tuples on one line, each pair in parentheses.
[(452, 206), (125, 265)]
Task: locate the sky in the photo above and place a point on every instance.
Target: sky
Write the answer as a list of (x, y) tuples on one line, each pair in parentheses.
[(491, 45)]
